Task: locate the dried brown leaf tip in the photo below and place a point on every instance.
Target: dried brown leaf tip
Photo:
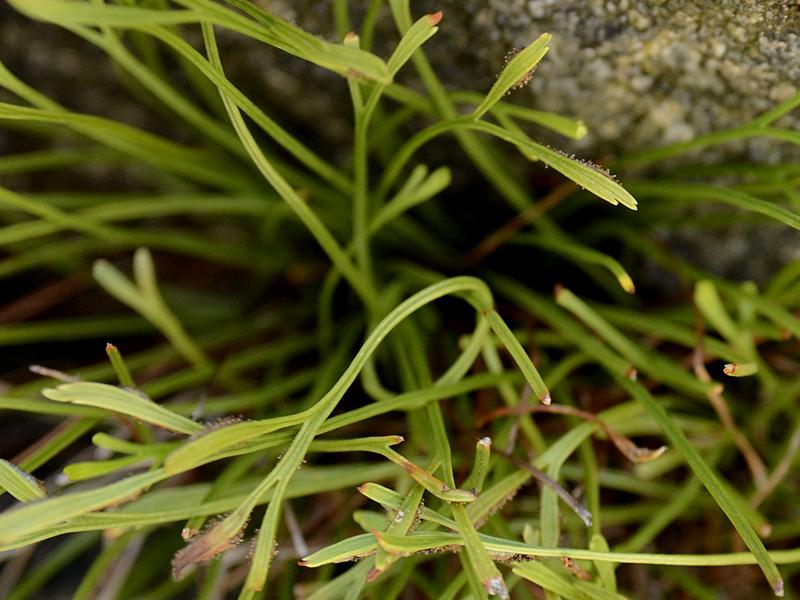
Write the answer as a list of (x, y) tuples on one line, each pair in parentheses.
[(575, 569), (634, 453), (53, 374), (625, 445), (217, 539), (740, 369), (434, 18)]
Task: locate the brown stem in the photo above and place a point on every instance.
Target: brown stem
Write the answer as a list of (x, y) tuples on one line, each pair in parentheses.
[(500, 236)]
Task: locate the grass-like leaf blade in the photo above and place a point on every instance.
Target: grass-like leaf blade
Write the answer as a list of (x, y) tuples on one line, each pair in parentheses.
[(23, 486), (714, 486), (515, 73), (131, 404)]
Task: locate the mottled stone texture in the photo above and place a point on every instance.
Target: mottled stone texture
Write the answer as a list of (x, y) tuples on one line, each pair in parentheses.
[(646, 73), (640, 73)]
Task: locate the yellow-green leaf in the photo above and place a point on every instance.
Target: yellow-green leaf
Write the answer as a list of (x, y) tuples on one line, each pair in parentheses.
[(132, 404)]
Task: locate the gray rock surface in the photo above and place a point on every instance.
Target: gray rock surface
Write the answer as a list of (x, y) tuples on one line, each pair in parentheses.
[(647, 73), (640, 73)]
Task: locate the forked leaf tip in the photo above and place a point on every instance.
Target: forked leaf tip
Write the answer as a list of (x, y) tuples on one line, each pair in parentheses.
[(216, 540)]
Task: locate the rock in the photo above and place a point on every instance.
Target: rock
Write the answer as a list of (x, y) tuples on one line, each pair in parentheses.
[(653, 72)]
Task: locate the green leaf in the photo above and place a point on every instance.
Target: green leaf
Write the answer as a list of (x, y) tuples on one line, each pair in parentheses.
[(582, 255), (708, 301), (370, 520), (377, 444), (419, 33), (483, 449), (427, 480), (30, 518), (403, 520), (145, 298), (132, 404), (515, 74), (585, 174), (710, 305), (346, 550), (653, 364), (262, 26), (392, 501), (214, 443), (604, 569), (571, 128), (505, 549), (561, 584), (416, 191), (704, 193), (20, 484), (740, 369), (710, 481), (547, 579), (97, 468), (301, 208), (144, 146), (484, 568), (268, 28)]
